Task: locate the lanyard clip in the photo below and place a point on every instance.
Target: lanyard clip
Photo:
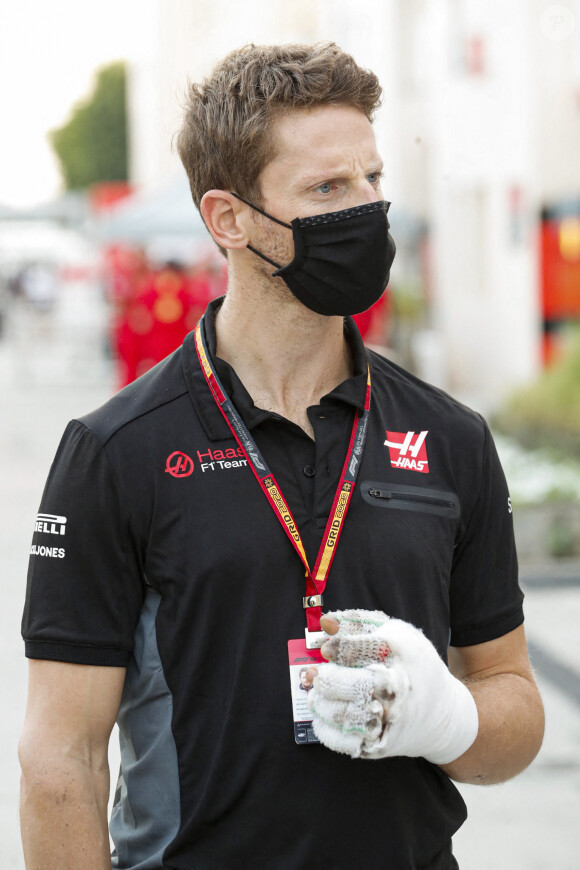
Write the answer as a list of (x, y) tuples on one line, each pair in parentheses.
[(315, 639), (312, 601)]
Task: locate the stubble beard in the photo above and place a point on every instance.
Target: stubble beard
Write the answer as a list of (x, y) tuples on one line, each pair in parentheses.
[(273, 243), (274, 294)]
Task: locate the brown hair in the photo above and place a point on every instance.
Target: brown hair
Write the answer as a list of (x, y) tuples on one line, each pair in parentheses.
[(225, 140)]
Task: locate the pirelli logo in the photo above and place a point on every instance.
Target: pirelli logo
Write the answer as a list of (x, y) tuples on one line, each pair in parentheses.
[(50, 524)]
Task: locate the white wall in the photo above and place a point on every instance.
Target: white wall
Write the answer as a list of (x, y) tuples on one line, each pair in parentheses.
[(481, 149), (555, 83)]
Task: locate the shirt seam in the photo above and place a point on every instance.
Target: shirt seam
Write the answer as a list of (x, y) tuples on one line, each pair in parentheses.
[(105, 442), (120, 488), (41, 642), (472, 514), (493, 620)]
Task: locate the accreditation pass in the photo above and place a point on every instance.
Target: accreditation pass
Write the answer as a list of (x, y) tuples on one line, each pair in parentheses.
[(300, 659)]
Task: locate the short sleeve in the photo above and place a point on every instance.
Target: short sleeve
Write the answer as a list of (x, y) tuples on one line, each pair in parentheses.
[(485, 597), (85, 585)]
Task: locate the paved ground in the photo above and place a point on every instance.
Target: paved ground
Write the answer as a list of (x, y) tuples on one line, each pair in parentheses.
[(531, 823)]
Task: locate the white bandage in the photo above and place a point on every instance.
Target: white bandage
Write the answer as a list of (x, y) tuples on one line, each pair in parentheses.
[(387, 693)]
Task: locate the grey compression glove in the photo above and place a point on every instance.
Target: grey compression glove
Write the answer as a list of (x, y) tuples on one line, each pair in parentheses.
[(387, 692)]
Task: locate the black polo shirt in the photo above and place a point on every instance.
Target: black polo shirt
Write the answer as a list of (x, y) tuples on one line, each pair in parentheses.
[(155, 549)]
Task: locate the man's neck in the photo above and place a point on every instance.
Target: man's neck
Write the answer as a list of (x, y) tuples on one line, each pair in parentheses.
[(286, 356)]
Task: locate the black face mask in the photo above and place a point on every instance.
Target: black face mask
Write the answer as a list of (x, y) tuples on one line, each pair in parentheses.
[(342, 260)]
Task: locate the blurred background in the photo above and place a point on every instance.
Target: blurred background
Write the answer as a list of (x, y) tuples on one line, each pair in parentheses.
[(105, 265)]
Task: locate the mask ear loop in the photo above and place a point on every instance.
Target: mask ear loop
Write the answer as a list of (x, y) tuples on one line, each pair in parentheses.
[(264, 257), (269, 216), (265, 213)]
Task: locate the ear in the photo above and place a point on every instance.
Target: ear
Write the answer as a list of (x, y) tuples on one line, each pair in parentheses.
[(222, 213)]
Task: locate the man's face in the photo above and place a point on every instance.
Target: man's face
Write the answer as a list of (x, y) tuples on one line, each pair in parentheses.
[(326, 160)]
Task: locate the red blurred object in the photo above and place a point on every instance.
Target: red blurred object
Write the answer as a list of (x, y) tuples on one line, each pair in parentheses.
[(475, 55), (107, 194), (125, 269), (162, 313), (373, 323), (560, 273), (77, 273), (560, 277), (153, 310)]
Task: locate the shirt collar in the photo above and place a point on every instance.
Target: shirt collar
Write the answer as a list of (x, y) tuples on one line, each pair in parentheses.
[(351, 392)]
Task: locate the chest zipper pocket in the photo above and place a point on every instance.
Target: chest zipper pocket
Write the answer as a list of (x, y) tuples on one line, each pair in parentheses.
[(411, 498)]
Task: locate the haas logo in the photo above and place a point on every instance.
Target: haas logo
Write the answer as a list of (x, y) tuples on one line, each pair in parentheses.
[(408, 450), (179, 464)]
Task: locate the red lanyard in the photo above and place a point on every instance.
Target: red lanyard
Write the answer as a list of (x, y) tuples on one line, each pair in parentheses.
[(316, 579)]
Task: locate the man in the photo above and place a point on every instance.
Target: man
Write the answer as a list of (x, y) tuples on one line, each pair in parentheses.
[(201, 512), (305, 679)]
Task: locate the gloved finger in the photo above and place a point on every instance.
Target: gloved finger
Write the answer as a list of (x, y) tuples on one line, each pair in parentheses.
[(378, 745), (391, 688), (353, 623), (367, 720), (356, 650), (358, 621), (337, 683)]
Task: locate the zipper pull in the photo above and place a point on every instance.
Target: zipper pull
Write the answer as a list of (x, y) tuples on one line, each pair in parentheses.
[(379, 493)]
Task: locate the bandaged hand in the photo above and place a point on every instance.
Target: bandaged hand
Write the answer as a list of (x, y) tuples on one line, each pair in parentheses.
[(386, 692)]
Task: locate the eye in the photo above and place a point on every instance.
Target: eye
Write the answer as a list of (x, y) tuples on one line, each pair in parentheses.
[(326, 187), (374, 177)]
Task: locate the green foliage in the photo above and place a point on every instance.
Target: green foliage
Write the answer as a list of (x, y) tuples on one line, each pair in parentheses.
[(92, 145), (561, 539), (408, 301), (547, 414)]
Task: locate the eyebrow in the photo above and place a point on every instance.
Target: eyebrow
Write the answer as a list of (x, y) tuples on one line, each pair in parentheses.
[(313, 178)]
